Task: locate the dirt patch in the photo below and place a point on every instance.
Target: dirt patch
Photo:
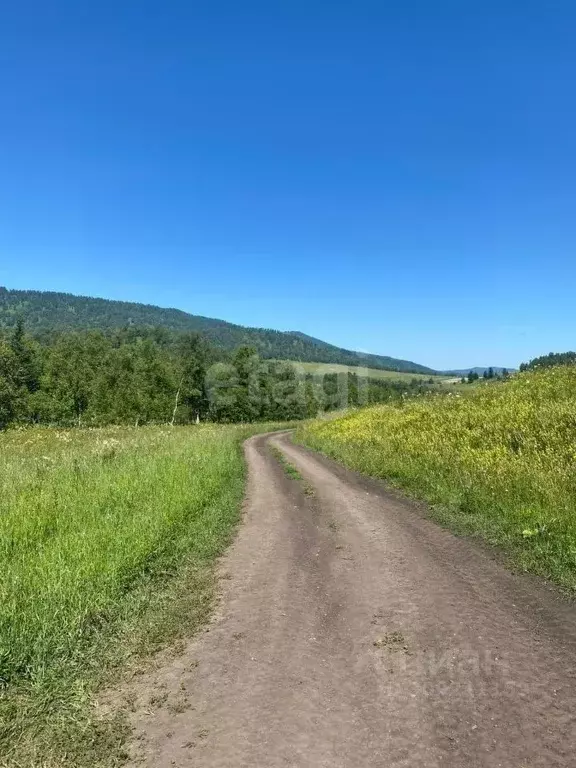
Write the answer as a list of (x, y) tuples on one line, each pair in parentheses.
[(393, 641)]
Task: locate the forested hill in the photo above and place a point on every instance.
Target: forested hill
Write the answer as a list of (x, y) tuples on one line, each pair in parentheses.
[(47, 311)]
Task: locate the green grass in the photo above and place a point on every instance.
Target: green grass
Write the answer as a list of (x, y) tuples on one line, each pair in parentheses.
[(374, 373), (108, 540), (291, 470), (498, 463)]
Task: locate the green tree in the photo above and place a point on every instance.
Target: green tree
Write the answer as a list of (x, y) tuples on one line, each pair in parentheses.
[(8, 397), (154, 381), (248, 394), (116, 392), (224, 392), (288, 396), (192, 354), (70, 370), (135, 384), (552, 359), (25, 370), (353, 393), (311, 397)]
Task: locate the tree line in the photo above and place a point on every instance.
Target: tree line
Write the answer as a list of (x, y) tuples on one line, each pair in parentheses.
[(488, 374), (552, 359), (151, 375)]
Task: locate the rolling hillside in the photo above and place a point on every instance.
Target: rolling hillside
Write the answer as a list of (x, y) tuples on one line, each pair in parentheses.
[(47, 311), (374, 373), (479, 369)]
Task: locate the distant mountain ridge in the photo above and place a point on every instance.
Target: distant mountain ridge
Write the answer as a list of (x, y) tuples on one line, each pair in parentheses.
[(49, 311)]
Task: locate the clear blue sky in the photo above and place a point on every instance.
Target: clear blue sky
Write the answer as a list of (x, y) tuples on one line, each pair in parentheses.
[(396, 177)]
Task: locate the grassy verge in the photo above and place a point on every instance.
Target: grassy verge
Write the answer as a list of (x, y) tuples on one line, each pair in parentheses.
[(499, 463), (291, 470), (108, 540)]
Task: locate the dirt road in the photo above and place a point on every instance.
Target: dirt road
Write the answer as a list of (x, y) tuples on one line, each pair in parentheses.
[(353, 632)]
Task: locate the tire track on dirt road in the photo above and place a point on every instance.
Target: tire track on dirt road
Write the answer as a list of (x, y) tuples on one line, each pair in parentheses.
[(354, 632)]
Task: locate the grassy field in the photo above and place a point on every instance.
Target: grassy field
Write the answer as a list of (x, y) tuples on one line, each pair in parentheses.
[(375, 373), (108, 539), (499, 463)]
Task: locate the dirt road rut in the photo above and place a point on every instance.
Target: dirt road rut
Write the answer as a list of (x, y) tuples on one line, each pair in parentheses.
[(353, 632)]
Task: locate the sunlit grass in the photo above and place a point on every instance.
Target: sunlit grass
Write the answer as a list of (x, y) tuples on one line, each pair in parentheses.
[(500, 462), (103, 533)]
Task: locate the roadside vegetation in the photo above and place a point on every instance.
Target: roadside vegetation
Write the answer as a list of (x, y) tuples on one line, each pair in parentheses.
[(291, 471), (108, 541), (499, 463)]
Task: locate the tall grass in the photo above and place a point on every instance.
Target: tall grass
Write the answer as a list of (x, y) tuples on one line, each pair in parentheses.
[(499, 463), (99, 529)]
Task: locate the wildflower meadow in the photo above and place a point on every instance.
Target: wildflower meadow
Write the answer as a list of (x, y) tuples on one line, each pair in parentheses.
[(498, 461)]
